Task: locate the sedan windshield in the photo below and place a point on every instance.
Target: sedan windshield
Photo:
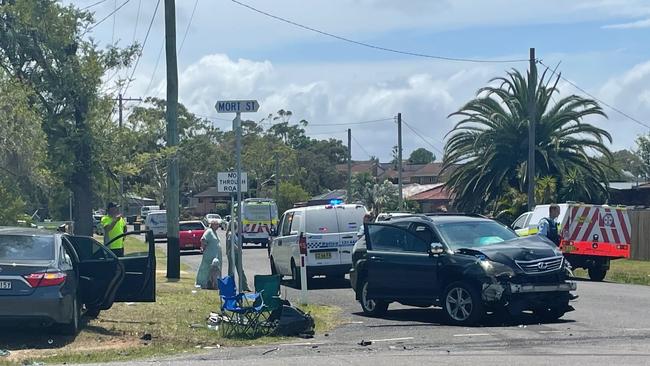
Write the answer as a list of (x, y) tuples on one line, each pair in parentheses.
[(191, 226), (474, 234), (26, 247)]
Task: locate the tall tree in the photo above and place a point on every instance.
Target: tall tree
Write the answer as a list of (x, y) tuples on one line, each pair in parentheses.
[(421, 156), (490, 143), (42, 45)]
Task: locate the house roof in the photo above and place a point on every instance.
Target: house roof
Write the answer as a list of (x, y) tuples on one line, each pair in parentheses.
[(411, 190), (211, 192), (438, 193)]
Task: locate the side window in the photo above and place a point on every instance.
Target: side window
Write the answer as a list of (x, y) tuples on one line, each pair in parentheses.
[(391, 238), (88, 248), (527, 222), (286, 224), (519, 223), (421, 240), (295, 223), (64, 257)]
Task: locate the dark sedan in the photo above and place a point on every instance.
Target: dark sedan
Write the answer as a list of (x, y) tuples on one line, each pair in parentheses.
[(50, 278)]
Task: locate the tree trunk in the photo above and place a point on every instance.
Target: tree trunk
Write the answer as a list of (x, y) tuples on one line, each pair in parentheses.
[(81, 181)]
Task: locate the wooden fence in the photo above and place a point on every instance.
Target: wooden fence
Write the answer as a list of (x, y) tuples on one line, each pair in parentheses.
[(640, 221)]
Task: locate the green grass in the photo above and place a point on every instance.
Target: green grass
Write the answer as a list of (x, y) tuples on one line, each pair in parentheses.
[(176, 322), (625, 271)]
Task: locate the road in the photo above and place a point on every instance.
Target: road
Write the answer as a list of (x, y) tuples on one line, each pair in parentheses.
[(610, 325)]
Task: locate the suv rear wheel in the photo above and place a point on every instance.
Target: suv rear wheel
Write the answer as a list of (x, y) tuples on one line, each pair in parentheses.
[(371, 307), (462, 304)]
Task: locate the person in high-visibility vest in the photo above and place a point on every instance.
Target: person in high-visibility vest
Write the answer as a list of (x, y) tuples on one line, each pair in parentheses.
[(114, 226)]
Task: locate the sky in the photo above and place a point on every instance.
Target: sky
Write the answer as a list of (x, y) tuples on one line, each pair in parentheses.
[(232, 52)]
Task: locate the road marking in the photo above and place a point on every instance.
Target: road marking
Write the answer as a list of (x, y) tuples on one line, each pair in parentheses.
[(391, 339), (551, 331), (636, 329), (472, 335)]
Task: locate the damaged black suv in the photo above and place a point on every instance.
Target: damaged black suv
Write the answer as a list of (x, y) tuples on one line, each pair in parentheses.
[(468, 265)]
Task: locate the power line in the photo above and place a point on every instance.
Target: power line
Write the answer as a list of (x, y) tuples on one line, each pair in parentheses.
[(155, 68), (189, 23), (108, 16), (137, 20), (114, 18), (368, 45), (144, 43), (594, 97), (361, 146), (93, 5), (352, 123), (422, 137)]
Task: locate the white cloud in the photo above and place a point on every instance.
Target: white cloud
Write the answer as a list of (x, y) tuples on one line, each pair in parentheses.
[(644, 23)]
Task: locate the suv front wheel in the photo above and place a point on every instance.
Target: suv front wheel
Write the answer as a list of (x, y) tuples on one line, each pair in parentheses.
[(462, 304), (371, 307)]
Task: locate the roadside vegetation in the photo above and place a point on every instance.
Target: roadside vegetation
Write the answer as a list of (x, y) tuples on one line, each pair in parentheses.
[(625, 271), (174, 324)]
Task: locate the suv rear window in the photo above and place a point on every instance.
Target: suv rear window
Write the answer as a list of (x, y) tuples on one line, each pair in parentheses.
[(473, 234), (191, 226), (26, 247)]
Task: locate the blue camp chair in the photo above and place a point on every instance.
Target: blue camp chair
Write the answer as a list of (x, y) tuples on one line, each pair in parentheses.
[(240, 311)]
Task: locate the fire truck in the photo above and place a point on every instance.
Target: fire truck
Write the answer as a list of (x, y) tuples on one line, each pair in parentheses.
[(590, 235)]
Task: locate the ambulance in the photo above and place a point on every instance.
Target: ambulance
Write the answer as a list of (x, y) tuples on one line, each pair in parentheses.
[(260, 215), (590, 235)]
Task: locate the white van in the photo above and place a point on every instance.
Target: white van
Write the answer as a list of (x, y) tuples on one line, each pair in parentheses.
[(144, 210), (326, 234), (157, 222)]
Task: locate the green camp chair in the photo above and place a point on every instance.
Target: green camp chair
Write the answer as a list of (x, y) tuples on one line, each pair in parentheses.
[(268, 286)]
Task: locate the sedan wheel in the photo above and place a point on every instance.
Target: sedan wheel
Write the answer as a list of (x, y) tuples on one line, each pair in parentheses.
[(463, 304), (72, 328), (370, 306)]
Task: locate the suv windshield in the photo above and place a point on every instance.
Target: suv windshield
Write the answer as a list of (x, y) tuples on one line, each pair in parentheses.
[(26, 247), (473, 234)]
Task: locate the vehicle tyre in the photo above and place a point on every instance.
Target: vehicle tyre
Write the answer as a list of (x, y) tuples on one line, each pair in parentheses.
[(371, 307), (72, 328), (93, 313), (597, 274), (462, 303), (265, 244), (295, 276)]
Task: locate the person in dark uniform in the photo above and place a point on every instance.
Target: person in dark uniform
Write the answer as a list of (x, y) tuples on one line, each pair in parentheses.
[(549, 227)]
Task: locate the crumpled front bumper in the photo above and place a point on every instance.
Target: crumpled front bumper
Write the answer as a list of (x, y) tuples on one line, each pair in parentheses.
[(494, 292)]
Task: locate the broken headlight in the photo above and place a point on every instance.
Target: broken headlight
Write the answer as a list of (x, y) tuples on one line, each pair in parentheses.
[(496, 269)]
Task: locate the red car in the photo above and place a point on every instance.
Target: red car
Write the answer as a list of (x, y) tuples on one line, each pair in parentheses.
[(190, 233)]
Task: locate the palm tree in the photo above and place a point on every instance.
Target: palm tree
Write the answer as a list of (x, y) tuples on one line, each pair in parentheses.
[(489, 146)]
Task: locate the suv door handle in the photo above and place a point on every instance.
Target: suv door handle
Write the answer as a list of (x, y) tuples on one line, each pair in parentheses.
[(375, 258), (348, 237)]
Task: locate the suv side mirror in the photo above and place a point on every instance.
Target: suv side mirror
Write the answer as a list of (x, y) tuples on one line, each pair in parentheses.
[(273, 232), (436, 248)]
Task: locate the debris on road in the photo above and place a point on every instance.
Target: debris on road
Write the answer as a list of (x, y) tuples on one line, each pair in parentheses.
[(365, 343), (146, 337), (4, 353), (269, 351)]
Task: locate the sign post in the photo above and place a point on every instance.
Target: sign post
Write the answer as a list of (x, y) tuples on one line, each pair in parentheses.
[(238, 107)]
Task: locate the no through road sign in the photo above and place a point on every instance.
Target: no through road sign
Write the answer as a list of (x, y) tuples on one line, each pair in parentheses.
[(227, 182)]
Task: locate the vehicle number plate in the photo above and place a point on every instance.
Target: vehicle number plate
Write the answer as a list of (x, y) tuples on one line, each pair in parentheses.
[(323, 255), (5, 285), (569, 248)]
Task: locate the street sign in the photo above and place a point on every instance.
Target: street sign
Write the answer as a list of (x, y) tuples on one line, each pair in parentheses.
[(227, 182), (237, 106)]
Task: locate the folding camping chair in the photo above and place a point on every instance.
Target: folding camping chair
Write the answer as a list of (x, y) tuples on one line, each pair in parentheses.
[(268, 287), (239, 317)]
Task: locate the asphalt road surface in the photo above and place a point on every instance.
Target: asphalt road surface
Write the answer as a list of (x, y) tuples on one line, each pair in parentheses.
[(611, 325)]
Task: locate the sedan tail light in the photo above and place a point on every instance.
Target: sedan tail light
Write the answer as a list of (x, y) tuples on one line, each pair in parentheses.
[(45, 279), (302, 244)]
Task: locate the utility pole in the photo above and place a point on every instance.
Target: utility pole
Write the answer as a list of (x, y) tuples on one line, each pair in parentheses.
[(240, 239), (173, 252), (349, 165), (532, 121), (277, 177), (399, 160), (121, 101)]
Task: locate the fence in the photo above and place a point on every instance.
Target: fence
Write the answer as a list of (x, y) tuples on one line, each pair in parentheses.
[(640, 221)]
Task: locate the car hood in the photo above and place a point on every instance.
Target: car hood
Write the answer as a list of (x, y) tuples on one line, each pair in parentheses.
[(520, 249)]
